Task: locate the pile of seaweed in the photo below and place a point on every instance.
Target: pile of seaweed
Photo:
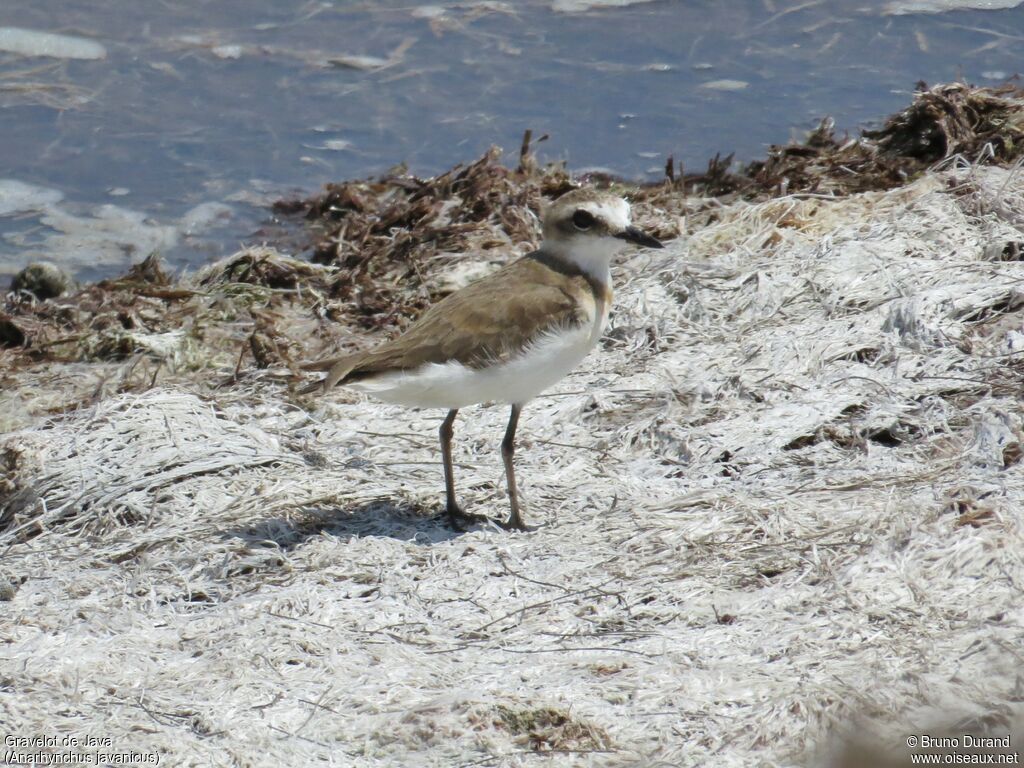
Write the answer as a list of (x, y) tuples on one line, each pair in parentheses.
[(387, 231), (980, 125), (383, 249), (216, 329)]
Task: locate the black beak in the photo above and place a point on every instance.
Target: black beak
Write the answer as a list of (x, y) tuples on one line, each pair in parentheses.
[(638, 236)]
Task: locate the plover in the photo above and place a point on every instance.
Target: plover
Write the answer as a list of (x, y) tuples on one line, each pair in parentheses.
[(506, 337)]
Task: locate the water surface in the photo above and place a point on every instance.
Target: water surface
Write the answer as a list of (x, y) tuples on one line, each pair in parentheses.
[(229, 104)]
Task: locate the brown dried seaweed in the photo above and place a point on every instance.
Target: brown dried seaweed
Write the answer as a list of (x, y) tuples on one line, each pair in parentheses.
[(384, 244), (980, 124), (390, 227)]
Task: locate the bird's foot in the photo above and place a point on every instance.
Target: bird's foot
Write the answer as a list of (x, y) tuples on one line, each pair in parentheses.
[(515, 523), (462, 521)]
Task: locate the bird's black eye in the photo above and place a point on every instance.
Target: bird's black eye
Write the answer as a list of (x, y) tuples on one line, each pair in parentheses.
[(583, 219)]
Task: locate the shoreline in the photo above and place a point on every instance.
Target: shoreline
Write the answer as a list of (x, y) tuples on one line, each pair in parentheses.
[(364, 279), (779, 506)]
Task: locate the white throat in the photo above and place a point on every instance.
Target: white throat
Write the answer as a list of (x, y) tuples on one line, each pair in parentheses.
[(591, 255)]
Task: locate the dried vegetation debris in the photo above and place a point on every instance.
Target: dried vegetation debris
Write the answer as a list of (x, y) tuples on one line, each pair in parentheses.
[(957, 119), (385, 249), (143, 325), (790, 479), (978, 124), (549, 729), (391, 236)]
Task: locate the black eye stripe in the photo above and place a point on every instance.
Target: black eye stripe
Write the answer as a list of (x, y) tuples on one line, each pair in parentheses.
[(583, 219)]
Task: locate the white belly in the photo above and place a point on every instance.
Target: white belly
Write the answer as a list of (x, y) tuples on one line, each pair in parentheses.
[(453, 385)]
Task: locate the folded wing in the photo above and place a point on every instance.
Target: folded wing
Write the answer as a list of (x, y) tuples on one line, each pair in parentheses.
[(489, 321)]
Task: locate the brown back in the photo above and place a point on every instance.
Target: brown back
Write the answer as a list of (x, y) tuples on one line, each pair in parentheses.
[(486, 322)]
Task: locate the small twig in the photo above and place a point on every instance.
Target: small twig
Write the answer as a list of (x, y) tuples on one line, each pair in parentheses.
[(524, 150), (300, 621), (313, 709)]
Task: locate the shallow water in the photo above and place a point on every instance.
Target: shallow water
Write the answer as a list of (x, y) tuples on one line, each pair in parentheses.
[(228, 105)]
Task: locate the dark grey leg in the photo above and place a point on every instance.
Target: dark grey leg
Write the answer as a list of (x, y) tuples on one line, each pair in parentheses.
[(456, 516), (508, 449)]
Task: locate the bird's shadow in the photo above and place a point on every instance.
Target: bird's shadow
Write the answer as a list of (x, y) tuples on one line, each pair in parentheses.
[(382, 517)]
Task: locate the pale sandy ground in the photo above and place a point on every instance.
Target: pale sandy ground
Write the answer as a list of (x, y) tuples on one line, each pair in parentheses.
[(780, 503)]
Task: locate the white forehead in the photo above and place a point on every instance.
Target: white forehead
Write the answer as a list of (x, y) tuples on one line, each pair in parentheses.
[(613, 210)]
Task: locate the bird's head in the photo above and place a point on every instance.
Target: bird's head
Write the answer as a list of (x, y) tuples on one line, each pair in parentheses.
[(590, 226)]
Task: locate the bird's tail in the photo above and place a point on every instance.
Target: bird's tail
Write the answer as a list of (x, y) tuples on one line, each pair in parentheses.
[(337, 369)]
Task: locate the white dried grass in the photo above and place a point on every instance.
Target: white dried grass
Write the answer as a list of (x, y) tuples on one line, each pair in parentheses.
[(751, 537)]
